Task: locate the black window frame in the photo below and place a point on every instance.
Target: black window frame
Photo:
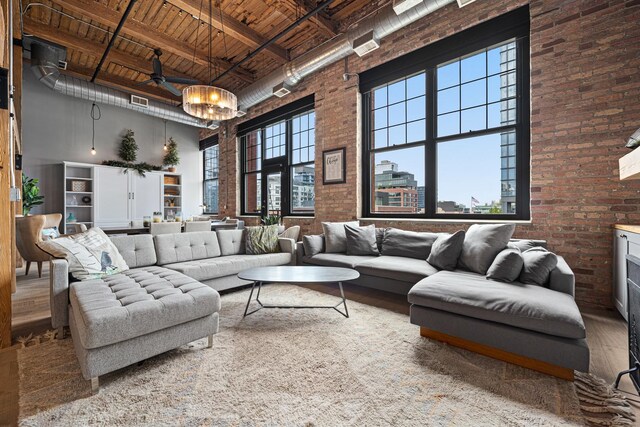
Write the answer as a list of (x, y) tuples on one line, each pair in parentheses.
[(282, 164), (514, 26), (205, 144)]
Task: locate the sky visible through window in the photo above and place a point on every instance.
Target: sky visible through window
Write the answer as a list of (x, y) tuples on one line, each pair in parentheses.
[(476, 92)]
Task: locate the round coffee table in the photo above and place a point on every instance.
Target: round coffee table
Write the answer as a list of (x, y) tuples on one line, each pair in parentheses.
[(297, 275)]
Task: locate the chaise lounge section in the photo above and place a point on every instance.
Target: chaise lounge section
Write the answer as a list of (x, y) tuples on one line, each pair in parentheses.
[(538, 327)]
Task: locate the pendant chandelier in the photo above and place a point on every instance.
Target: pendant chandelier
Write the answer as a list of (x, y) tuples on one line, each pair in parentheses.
[(210, 102)]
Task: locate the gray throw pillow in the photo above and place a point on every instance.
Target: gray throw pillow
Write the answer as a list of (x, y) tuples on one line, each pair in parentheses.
[(313, 245), (361, 240), (507, 266), (446, 250), (482, 243), (538, 265), (335, 238), (409, 244)]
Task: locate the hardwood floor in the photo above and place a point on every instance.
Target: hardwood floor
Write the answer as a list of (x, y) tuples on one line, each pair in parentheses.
[(606, 329)]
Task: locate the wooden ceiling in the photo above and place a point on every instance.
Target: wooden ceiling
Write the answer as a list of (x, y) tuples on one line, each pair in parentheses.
[(180, 28)]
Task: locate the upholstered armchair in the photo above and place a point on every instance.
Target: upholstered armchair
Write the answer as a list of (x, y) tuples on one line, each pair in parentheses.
[(29, 232)]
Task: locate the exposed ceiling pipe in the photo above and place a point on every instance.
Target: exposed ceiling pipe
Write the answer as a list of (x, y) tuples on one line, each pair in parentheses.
[(384, 22), (44, 64), (125, 15)]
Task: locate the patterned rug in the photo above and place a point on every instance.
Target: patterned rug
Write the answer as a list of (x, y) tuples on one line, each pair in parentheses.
[(305, 368)]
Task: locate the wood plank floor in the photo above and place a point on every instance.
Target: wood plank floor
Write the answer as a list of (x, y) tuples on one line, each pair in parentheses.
[(606, 330)]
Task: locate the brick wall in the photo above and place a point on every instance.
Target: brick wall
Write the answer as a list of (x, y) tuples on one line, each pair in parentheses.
[(585, 96)]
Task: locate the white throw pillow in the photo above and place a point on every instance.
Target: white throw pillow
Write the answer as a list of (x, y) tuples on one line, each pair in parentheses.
[(91, 254)]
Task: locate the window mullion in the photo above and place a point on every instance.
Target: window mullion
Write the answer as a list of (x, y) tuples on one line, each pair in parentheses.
[(430, 191)]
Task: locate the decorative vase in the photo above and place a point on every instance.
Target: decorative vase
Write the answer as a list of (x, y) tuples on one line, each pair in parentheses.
[(172, 169), (71, 218)]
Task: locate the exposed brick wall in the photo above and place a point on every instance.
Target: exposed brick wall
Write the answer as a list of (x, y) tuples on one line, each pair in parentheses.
[(585, 101)]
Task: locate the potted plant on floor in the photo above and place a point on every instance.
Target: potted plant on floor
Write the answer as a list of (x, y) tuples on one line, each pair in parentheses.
[(30, 194), (171, 159)]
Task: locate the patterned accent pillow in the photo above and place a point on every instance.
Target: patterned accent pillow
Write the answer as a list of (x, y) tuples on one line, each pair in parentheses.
[(91, 254), (261, 240)]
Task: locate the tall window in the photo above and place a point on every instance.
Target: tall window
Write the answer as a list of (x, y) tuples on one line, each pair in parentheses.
[(210, 179), (450, 140), (277, 158)]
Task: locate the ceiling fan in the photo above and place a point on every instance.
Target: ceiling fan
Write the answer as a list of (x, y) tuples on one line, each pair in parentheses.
[(165, 81)]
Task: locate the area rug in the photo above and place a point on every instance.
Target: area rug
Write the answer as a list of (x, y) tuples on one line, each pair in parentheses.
[(301, 368)]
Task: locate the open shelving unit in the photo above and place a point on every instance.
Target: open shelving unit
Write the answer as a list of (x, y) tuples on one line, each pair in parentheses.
[(78, 194), (172, 194)]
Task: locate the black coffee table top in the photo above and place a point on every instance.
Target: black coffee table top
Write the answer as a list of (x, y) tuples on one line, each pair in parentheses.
[(299, 274)]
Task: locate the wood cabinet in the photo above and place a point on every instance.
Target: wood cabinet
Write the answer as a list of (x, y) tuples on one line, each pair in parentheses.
[(626, 240)]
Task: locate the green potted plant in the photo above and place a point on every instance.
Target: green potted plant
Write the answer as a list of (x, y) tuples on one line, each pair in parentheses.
[(171, 159), (30, 194), (272, 219), (128, 148)]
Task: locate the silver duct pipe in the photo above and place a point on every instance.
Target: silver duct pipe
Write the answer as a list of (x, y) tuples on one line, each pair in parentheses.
[(44, 64), (382, 23)]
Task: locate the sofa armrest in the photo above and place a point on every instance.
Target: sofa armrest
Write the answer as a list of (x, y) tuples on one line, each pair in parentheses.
[(562, 278), (59, 295), (299, 253), (288, 246)]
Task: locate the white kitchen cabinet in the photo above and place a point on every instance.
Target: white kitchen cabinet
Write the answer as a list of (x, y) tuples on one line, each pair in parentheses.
[(625, 242), (107, 196), (112, 197), (146, 194)]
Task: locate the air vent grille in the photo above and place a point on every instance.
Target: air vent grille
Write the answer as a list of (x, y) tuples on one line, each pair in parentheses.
[(139, 101)]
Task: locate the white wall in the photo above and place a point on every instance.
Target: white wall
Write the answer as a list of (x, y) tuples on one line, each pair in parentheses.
[(56, 128)]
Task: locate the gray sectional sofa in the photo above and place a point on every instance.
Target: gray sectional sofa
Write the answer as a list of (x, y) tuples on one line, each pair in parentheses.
[(534, 326), (167, 298)]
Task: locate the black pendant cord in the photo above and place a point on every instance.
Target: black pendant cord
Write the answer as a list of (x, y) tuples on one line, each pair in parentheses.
[(165, 135), (94, 117), (113, 39), (273, 40), (210, 34)]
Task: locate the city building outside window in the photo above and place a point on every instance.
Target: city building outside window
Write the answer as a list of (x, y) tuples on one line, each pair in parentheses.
[(450, 140)]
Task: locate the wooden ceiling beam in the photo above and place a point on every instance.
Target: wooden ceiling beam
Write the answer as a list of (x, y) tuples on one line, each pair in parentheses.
[(150, 36), (231, 27), (92, 48), (321, 19)]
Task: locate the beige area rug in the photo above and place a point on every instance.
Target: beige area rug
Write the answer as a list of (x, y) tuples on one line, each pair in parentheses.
[(297, 368)]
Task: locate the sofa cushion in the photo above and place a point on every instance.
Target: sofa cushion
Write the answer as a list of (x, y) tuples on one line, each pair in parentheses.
[(137, 250), (526, 244), (180, 247), (529, 307), (446, 250), (335, 238), (538, 265), (337, 260), (137, 302), (507, 266), (213, 268), (313, 244), (231, 242), (408, 244), (398, 268), (482, 242), (361, 240)]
